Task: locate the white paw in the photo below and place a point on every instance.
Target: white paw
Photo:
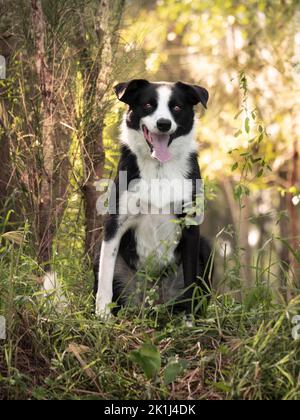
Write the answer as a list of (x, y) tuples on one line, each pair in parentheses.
[(102, 308)]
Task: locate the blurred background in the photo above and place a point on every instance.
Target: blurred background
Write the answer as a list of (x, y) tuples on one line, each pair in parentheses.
[(247, 55), (60, 123)]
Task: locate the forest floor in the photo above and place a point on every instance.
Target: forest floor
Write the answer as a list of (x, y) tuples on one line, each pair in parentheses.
[(238, 351)]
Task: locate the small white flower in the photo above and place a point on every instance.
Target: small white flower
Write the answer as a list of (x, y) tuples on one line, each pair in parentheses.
[(296, 200)]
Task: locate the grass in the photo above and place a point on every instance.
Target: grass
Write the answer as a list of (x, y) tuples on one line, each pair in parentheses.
[(238, 351)]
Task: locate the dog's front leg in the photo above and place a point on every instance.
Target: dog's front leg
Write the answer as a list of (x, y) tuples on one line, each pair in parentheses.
[(109, 252)]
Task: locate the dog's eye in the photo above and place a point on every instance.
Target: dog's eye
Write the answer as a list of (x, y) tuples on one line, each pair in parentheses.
[(177, 108), (148, 107)]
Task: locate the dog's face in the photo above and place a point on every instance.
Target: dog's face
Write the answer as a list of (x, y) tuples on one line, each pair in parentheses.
[(160, 112)]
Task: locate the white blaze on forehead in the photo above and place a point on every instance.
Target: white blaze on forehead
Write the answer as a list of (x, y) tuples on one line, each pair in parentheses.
[(164, 96), (164, 93)]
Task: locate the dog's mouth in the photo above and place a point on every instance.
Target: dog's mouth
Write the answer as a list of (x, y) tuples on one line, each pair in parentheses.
[(159, 145)]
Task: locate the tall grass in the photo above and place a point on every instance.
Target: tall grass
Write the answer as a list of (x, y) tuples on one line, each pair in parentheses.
[(242, 348), (239, 350)]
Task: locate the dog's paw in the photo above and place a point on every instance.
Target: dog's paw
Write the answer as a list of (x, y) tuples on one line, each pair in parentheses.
[(102, 309)]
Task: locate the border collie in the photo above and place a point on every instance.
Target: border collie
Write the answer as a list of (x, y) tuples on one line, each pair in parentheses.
[(157, 143)]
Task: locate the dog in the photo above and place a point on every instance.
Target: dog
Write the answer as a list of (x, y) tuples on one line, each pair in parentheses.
[(157, 143)]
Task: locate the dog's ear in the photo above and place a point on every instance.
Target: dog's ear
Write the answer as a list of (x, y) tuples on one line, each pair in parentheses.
[(127, 91), (195, 94)]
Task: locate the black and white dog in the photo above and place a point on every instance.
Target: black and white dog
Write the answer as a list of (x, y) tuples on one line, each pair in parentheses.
[(158, 143)]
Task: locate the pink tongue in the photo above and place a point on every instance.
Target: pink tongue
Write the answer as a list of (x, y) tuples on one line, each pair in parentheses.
[(160, 147)]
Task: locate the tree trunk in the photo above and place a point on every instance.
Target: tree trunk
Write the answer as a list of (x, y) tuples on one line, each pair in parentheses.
[(53, 175), (284, 234), (5, 167), (97, 78), (94, 158), (6, 171), (46, 83), (293, 213)]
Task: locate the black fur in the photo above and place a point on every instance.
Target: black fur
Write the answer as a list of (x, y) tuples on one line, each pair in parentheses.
[(139, 93), (128, 163)]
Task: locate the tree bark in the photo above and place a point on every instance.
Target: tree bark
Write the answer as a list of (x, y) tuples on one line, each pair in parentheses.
[(5, 167), (94, 158), (293, 213), (53, 175), (6, 172), (98, 80), (284, 234)]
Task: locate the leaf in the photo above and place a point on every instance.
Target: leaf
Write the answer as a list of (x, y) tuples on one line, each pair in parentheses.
[(238, 133), (238, 192), (221, 386), (255, 160), (238, 114), (260, 173), (232, 150), (148, 358), (173, 370), (234, 167), (260, 138), (247, 125)]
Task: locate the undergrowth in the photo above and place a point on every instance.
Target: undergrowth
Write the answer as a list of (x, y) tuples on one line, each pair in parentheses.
[(237, 351)]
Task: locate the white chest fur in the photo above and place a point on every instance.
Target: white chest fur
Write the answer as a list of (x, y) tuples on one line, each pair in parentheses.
[(149, 209), (159, 188), (157, 237)]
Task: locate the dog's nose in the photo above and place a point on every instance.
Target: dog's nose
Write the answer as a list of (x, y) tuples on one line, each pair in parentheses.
[(164, 125)]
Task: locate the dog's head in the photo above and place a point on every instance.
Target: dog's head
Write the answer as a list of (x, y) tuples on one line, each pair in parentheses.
[(160, 112)]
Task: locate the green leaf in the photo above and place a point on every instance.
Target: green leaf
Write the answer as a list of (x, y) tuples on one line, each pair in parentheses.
[(234, 167), (173, 370), (238, 114), (260, 138), (148, 358), (247, 125), (260, 173), (238, 192), (221, 386), (255, 160)]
